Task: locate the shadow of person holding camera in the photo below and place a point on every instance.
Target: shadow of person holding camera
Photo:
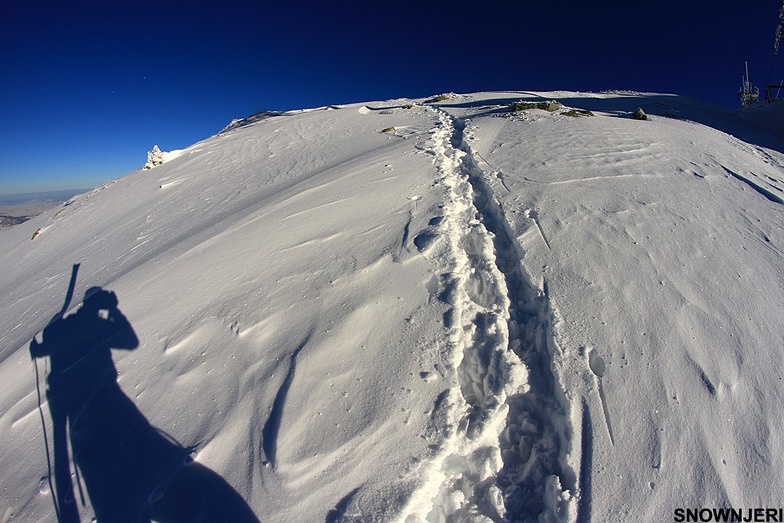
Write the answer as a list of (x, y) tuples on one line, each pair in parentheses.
[(132, 471)]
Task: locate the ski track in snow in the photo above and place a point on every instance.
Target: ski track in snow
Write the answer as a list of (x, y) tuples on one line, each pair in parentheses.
[(505, 460)]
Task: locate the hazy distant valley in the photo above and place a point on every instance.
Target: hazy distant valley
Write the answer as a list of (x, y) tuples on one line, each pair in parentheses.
[(18, 208)]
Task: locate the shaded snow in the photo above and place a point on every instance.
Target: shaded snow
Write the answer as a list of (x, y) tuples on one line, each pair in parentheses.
[(483, 316)]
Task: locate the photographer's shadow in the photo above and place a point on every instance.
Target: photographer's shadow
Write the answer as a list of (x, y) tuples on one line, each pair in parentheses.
[(132, 471)]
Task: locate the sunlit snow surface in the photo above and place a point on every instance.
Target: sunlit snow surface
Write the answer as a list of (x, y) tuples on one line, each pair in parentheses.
[(421, 310)]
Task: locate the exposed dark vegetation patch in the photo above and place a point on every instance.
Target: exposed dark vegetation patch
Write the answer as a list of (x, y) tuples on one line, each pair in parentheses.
[(550, 106), (441, 97), (578, 112)]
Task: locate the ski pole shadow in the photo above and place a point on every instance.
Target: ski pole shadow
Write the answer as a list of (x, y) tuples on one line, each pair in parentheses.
[(132, 471)]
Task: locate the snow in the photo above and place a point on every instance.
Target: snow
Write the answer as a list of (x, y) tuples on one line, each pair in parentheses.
[(481, 316)]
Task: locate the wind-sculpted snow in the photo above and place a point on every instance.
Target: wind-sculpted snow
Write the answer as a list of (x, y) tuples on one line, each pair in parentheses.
[(284, 324), (414, 310), (664, 273)]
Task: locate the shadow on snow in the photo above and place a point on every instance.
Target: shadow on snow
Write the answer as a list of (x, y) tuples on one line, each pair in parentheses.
[(132, 471)]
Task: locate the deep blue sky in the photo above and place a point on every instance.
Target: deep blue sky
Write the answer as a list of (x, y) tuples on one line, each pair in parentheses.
[(87, 88)]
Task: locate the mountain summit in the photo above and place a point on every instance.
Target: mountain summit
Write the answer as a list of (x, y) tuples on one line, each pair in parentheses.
[(506, 306)]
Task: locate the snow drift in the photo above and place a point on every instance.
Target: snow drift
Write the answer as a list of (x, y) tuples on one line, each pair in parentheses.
[(474, 315)]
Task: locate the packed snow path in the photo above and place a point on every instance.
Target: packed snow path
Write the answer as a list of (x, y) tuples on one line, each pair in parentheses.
[(507, 455)]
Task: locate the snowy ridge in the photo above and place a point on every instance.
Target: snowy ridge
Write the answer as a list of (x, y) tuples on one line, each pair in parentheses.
[(429, 311)]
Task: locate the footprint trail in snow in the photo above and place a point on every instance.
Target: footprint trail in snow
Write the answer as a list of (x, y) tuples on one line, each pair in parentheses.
[(504, 459)]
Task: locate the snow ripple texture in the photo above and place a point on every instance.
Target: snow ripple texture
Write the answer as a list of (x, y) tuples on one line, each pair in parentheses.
[(505, 457)]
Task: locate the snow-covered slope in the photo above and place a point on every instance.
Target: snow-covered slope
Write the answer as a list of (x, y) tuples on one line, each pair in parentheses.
[(426, 310)]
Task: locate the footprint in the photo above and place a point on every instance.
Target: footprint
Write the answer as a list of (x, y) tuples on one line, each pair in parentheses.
[(424, 240), (596, 363), (598, 367)]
